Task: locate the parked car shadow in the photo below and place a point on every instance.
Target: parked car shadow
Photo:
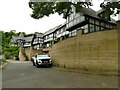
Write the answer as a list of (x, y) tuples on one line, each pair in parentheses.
[(44, 67)]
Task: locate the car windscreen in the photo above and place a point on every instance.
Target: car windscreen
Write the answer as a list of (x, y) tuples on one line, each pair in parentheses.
[(43, 56)]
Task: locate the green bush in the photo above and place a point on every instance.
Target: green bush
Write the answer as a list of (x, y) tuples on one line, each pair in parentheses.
[(7, 50), (11, 52), (7, 55), (4, 61)]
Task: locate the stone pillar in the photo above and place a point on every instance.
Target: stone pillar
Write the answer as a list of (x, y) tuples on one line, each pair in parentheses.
[(21, 55)]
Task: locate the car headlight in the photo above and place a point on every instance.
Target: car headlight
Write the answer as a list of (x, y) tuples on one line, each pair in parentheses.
[(39, 61)]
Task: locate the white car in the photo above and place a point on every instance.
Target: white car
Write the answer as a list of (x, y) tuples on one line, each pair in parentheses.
[(41, 60)]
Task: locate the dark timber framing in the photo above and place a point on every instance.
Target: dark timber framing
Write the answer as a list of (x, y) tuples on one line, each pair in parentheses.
[(92, 22)]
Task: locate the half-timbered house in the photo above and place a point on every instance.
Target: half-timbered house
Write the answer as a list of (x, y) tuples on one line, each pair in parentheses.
[(22, 41), (89, 20), (37, 41)]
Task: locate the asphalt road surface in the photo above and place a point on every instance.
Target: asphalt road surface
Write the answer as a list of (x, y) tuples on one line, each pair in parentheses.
[(23, 75)]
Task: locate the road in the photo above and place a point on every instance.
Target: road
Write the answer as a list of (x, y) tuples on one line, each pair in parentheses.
[(24, 75)]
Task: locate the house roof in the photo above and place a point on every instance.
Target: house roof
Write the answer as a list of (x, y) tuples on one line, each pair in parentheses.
[(21, 37), (62, 25), (54, 29), (51, 30), (92, 13), (39, 34), (100, 11), (28, 39), (14, 39)]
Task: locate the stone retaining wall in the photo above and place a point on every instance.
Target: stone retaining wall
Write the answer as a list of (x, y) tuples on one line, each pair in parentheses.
[(26, 53), (89, 52)]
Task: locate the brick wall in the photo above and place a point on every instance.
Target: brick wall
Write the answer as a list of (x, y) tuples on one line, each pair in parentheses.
[(90, 52)]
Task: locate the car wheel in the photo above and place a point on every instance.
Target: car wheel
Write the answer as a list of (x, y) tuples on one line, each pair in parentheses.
[(33, 63), (50, 65), (37, 65)]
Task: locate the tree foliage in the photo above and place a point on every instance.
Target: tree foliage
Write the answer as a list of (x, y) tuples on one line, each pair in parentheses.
[(7, 49), (0, 38), (111, 7), (41, 9)]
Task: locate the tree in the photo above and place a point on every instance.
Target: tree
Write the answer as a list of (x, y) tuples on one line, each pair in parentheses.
[(0, 38), (41, 9), (111, 8), (7, 49)]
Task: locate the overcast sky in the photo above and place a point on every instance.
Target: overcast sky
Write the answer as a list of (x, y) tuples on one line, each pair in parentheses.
[(15, 15)]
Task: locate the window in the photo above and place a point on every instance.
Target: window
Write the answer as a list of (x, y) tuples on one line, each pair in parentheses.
[(114, 26), (102, 28), (102, 23), (40, 45), (71, 17), (97, 28), (92, 28), (46, 37), (67, 26), (107, 25), (77, 20), (86, 28), (57, 32), (111, 26), (48, 45), (98, 22), (73, 33), (107, 18), (91, 20), (87, 18), (68, 19), (61, 30), (70, 24), (82, 18), (70, 34), (51, 35), (77, 15)]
